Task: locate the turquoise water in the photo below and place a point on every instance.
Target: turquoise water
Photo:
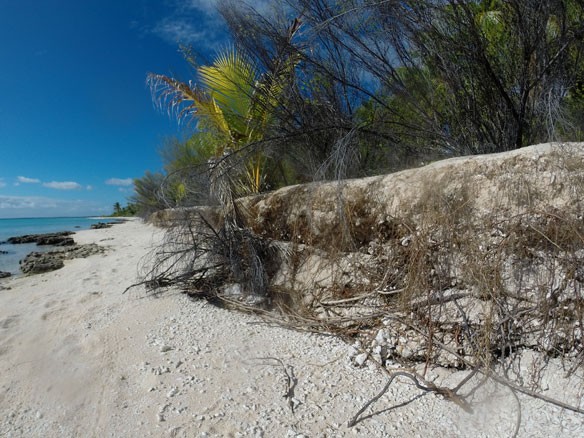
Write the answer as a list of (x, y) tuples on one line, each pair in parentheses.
[(20, 227)]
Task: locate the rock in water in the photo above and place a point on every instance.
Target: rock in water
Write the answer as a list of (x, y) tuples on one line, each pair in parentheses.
[(100, 225), (57, 239), (5, 274)]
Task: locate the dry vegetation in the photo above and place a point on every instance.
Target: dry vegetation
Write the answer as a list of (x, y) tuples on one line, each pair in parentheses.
[(466, 264)]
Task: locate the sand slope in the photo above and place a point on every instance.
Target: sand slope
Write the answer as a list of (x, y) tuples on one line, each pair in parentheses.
[(79, 358)]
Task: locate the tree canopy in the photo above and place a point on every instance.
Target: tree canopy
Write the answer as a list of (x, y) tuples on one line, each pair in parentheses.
[(320, 89)]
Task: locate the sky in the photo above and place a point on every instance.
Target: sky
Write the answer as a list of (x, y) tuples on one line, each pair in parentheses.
[(77, 120)]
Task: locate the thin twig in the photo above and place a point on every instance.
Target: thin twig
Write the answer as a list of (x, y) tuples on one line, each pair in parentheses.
[(518, 420), (534, 394), (488, 373), (361, 297), (429, 387), (291, 380)]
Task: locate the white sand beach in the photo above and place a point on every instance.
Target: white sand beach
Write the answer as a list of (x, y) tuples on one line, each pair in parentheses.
[(80, 359)]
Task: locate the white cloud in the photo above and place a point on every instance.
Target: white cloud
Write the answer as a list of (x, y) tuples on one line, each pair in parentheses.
[(34, 206), (179, 30), (119, 182), (89, 188), (191, 22), (24, 202), (25, 180), (64, 185)]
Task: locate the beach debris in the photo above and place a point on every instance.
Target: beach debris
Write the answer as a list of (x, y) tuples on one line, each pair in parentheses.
[(160, 370), (165, 348)]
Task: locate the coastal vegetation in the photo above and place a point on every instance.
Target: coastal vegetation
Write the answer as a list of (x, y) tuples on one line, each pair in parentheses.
[(464, 264), (319, 90), (129, 210)]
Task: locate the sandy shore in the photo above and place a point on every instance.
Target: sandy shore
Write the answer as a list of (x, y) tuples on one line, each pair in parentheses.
[(80, 359)]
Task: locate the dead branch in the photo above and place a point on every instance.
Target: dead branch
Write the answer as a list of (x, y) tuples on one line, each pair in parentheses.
[(488, 373), (360, 297), (421, 384), (291, 380), (534, 394)]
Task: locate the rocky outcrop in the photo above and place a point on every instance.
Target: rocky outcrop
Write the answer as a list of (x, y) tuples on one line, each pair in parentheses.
[(55, 239), (5, 274), (539, 177), (101, 225), (39, 262), (504, 184), (480, 255)]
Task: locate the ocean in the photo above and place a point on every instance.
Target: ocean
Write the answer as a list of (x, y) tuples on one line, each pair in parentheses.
[(11, 254)]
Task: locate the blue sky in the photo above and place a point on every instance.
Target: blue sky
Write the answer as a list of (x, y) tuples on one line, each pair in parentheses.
[(77, 121)]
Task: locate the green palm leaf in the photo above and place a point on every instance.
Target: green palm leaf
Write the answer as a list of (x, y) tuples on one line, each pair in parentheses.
[(234, 101), (172, 93), (230, 82)]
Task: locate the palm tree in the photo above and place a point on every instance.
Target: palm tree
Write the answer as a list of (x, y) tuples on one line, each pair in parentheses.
[(233, 100)]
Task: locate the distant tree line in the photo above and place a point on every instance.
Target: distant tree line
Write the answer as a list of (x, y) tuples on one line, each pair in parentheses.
[(329, 89), (127, 211)]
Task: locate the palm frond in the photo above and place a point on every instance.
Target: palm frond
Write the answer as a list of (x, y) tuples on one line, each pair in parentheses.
[(186, 101), (230, 82)]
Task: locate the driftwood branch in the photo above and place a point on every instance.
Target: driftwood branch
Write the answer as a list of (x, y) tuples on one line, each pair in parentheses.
[(452, 394)]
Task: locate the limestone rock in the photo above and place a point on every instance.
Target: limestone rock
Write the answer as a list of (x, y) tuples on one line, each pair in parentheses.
[(360, 359), (435, 241), (56, 239), (101, 225), (39, 262)]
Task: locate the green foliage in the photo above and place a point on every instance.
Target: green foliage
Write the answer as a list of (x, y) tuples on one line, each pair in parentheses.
[(474, 76), (180, 156), (128, 211), (147, 196), (233, 105), (380, 85)]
